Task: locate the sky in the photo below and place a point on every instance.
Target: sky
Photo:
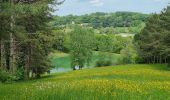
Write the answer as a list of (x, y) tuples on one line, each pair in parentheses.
[(80, 7)]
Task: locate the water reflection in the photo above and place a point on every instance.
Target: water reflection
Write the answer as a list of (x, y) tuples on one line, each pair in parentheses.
[(58, 70)]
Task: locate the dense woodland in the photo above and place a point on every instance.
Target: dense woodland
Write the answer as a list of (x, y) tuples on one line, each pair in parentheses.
[(118, 22), (25, 38), (99, 19), (154, 40)]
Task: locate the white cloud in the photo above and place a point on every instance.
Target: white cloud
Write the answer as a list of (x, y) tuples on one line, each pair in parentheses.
[(97, 3)]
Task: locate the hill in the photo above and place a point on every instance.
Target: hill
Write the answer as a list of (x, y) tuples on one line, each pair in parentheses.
[(123, 82), (99, 19)]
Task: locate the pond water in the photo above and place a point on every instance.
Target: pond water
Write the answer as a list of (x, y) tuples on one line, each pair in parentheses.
[(59, 70)]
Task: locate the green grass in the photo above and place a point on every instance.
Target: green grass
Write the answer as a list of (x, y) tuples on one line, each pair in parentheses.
[(63, 60), (123, 82)]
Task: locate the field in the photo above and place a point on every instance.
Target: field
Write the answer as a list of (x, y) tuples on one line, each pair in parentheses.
[(122, 82)]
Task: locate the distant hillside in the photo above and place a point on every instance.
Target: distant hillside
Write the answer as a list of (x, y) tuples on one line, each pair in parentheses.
[(99, 19)]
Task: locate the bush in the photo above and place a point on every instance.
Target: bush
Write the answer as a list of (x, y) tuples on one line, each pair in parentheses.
[(101, 63), (6, 76), (19, 74)]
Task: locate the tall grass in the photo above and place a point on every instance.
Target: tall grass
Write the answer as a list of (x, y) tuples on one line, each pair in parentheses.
[(128, 82)]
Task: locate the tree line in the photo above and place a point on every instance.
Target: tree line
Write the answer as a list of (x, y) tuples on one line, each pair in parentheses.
[(25, 38), (153, 43), (99, 19)]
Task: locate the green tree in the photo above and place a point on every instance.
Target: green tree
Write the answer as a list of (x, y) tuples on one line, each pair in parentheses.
[(25, 36), (104, 43), (98, 20), (59, 40), (165, 30), (153, 41), (129, 54), (81, 45)]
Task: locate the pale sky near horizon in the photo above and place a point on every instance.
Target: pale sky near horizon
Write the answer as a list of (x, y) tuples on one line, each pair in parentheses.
[(80, 7)]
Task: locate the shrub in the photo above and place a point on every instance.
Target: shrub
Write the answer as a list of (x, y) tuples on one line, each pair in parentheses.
[(5, 76), (101, 63), (19, 74)]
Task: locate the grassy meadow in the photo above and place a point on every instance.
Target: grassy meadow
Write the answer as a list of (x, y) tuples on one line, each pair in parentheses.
[(122, 82)]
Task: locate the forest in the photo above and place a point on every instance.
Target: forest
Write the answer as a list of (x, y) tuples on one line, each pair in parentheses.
[(99, 19), (133, 22), (98, 56)]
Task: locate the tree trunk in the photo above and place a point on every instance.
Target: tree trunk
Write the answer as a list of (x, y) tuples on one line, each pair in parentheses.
[(11, 53), (168, 61), (165, 60), (1, 55), (160, 59), (150, 60), (147, 60), (11, 42), (26, 69), (28, 61), (26, 72), (154, 59), (3, 60), (157, 59)]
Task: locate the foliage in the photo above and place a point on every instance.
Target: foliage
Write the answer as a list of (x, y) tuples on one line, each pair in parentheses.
[(98, 20), (120, 43), (26, 40), (101, 63), (118, 30), (104, 43), (129, 54), (59, 40), (19, 74), (111, 43), (153, 42), (41, 46), (6, 76), (105, 59), (81, 44)]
